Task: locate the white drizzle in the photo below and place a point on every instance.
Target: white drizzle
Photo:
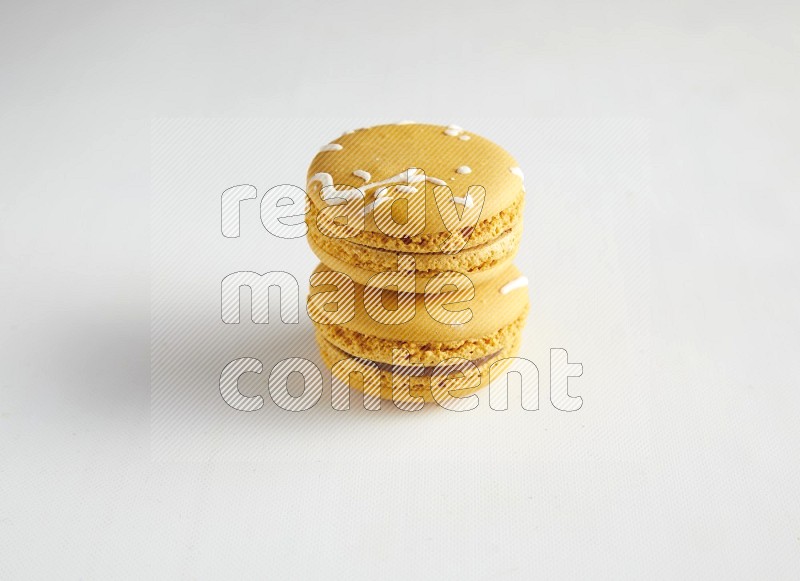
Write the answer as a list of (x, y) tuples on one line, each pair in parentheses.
[(464, 169), (453, 130), (465, 201), (517, 172), (436, 181), (330, 195), (406, 122), (406, 189), (364, 175), (331, 147), (464, 137), (514, 285)]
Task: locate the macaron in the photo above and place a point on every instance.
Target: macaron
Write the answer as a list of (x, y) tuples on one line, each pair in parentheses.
[(449, 199), (445, 347)]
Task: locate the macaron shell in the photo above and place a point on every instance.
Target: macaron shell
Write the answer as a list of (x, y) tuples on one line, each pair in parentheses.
[(387, 150), (485, 231), (491, 308), (420, 386), (427, 353), (480, 264)]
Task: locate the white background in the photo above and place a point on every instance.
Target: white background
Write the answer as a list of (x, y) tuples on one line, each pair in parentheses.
[(705, 485)]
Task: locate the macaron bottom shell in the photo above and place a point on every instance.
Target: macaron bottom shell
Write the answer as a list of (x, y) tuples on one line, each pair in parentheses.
[(458, 385), (361, 263), (427, 349), (485, 231)]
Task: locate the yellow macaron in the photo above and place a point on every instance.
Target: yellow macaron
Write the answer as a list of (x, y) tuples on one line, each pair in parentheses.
[(362, 329), (449, 199)]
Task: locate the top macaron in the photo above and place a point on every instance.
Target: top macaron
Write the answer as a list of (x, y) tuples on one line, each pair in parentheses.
[(450, 198)]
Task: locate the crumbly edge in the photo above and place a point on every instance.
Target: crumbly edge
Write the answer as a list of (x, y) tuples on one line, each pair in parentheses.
[(468, 260), (484, 231), (428, 352), (420, 386)]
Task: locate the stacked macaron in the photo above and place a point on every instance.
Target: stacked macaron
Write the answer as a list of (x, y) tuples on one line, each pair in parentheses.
[(416, 227)]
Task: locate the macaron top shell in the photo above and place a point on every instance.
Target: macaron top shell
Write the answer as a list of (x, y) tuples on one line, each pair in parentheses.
[(497, 303), (446, 154)]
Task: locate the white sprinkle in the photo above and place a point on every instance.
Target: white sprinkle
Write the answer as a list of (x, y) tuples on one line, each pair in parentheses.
[(406, 189), (406, 122), (436, 181), (412, 173), (324, 179), (349, 132), (453, 130), (331, 147), (464, 169), (328, 193), (364, 175), (466, 201), (514, 285), (464, 137), (517, 172)]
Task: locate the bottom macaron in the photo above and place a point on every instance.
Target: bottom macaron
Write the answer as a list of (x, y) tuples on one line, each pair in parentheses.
[(427, 356), (378, 379)]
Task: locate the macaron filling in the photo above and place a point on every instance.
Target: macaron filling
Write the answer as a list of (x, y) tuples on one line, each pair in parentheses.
[(425, 370)]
